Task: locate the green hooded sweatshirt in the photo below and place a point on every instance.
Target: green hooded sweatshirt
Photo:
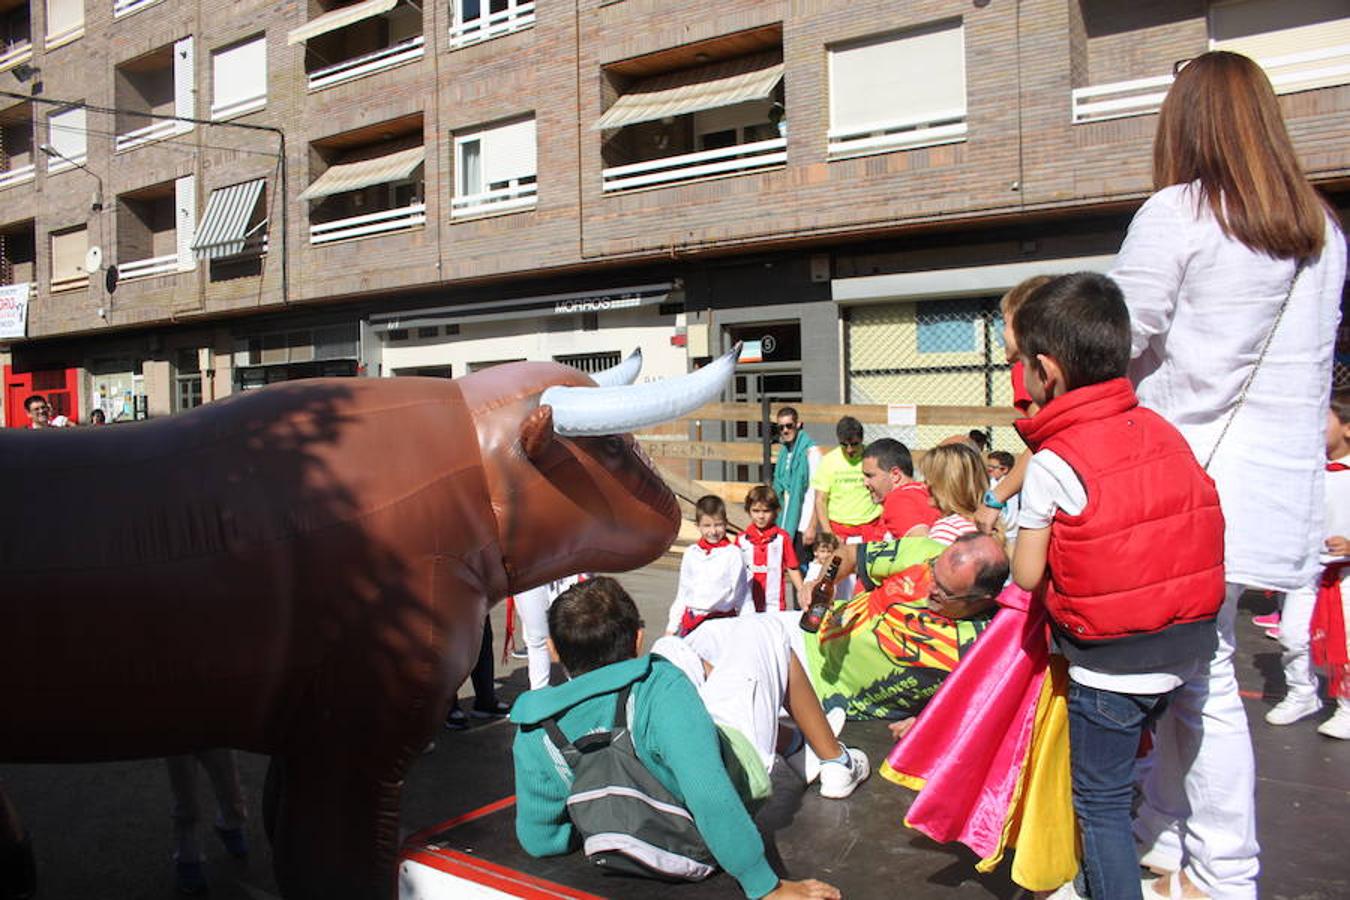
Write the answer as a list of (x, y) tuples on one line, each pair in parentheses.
[(676, 740)]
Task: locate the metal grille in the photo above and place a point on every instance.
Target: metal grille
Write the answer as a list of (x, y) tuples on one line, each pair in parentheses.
[(590, 363), (930, 352)]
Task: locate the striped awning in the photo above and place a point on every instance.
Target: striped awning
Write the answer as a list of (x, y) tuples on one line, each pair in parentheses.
[(717, 84), (353, 176), (224, 225), (339, 18)]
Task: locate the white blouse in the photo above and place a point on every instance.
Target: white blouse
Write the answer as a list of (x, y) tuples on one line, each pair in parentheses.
[(1201, 305)]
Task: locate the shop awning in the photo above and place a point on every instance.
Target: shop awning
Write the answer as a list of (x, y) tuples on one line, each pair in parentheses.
[(533, 307), (339, 18), (225, 223), (693, 90), (353, 176)]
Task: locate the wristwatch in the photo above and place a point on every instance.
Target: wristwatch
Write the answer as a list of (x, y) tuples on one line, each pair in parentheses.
[(993, 502)]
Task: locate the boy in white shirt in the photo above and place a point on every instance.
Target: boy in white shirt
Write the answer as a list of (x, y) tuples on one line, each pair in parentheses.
[(1327, 596), (712, 573)]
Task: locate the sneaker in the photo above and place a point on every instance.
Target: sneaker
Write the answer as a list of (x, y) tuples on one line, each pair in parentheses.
[(1268, 621), (838, 780), (1338, 726), (1292, 708), (191, 878), (235, 843), (519, 653), (810, 767), (498, 710), (456, 720)]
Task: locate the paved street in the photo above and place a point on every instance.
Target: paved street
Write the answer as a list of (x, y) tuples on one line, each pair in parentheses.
[(103, 831)]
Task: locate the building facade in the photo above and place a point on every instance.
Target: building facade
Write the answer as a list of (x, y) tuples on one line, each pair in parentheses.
[(200, 198)]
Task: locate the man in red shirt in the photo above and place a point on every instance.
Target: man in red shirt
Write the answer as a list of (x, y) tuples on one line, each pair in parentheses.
[(888, 472)]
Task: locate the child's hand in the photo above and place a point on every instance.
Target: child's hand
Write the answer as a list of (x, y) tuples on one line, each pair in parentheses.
[(901, 728), (1338, 546)]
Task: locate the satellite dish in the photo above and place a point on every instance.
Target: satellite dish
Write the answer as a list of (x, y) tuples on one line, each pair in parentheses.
[(93, 259), (110, 279)]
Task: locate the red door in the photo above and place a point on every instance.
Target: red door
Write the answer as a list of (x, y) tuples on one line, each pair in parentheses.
[(60, 386)]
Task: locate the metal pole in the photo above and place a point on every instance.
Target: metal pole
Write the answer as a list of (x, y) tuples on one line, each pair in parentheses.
[(766, 432)]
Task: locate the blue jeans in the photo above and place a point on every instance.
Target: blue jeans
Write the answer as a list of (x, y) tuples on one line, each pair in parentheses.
[(1104, 731)]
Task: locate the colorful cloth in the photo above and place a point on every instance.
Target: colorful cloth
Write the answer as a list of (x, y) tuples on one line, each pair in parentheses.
[(989, 756), (1326, 632), (883, 653), (792, 477)]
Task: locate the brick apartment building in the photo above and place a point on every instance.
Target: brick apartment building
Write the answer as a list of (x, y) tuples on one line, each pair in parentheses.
[(846, 184)]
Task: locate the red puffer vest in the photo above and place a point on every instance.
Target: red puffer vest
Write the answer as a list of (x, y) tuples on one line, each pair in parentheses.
[(1146, 553)]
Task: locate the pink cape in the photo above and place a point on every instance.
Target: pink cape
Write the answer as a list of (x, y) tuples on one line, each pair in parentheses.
[(966, 752)]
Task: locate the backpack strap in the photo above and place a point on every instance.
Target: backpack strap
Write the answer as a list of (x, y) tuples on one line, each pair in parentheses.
[(619, 731)]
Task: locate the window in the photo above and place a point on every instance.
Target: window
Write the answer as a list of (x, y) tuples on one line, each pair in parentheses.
[(160, 83), (187, 380), (68, 251), (67, 136), (155, 226), (671, 124), (368, 187), (239, 78), (946, 327), (897, 91), (352, 40), (65, 22), (481, 20), (16, 145), (1302, 44), (495, 170), (16, 32), (18, 253)]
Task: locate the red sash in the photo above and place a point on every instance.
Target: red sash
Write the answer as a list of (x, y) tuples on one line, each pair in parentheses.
[(1327, 631), (691, 620)]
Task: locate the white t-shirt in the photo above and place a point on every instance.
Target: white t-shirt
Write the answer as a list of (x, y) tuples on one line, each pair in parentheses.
[(1051, 485)]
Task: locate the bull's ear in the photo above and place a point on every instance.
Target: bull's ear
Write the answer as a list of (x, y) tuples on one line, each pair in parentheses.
[(536, 432)]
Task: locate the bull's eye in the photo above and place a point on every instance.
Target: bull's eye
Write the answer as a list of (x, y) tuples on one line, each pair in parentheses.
[(614, 445)]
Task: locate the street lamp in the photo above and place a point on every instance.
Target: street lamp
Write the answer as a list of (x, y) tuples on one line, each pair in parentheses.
[(96, 203)]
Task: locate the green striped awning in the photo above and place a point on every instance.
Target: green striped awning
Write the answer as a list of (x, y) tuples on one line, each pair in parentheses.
[(224, 226)]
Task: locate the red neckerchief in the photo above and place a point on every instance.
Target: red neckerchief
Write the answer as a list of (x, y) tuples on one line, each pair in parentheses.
[(1337, 467), (709, 548), (758, 537)]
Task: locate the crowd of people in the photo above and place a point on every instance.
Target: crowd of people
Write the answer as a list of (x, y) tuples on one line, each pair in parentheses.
[(1133, 522)]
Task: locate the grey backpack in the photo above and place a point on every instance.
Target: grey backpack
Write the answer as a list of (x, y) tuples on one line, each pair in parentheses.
[(629, 823)]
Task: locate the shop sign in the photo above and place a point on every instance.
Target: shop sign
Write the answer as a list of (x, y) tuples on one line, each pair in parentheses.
[(595, 304), (14, 310)]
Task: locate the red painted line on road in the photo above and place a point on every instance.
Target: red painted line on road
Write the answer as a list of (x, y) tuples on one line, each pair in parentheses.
[(479, 871), (426, 833)]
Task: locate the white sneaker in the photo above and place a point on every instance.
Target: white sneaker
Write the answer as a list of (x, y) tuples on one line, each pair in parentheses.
[(1292, 708), (838, 780), (810, 768), (1338, 726)]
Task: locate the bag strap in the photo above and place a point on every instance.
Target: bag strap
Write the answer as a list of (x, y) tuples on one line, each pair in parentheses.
[(1260, 357), (569, 750)]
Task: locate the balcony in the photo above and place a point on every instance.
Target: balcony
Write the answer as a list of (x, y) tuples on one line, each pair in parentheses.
[(370, 186), (155, 131), (1289, 73), (726, 161), (359, 39), (506, 199), (16, 36), (144, 268), (382, 222), (473, 24), (17, 161), (927, 130), (149, 224), (160, 83)]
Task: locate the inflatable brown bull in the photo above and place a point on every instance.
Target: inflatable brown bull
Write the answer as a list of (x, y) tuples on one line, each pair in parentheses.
[(303, 571)]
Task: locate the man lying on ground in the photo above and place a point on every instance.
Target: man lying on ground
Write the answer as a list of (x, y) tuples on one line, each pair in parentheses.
[(703, 730)]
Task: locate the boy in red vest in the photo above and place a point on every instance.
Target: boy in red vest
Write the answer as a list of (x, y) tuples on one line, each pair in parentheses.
[(769, 557), (1126, 524)]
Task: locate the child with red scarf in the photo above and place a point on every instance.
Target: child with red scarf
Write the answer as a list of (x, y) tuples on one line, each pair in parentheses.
[(1312, 626), (712, 573), (769, 557)]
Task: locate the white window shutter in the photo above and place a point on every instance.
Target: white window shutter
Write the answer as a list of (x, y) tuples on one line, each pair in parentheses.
[(64, 17), (67, 135), (509, 152), (898, 77), (184, 83), (185, 209), (239, 77), (68, 252)]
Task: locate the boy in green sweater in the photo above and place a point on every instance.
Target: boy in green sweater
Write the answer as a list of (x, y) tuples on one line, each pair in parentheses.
[(596, 632)]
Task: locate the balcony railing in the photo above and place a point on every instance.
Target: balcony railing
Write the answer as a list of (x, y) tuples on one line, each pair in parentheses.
[(1141, 96), (239, 107), (156, 131), (491, 202), (127, 7), (722, 161), (397, 55), (17, 175), (927, 130), (494, 25), (14, 54), (388, 220), (144, 268), (57, 164)]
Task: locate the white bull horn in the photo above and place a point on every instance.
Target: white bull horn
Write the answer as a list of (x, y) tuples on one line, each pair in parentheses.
[(588, 411), (625, 372)]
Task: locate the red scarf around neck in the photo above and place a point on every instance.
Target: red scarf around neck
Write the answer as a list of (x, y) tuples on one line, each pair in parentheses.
[(709, 548)]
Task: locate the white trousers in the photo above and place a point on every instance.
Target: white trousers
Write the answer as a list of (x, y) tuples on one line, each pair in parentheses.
[(1199, 805), (224, 776), (1295, 622), (748, 684), (532, 607)]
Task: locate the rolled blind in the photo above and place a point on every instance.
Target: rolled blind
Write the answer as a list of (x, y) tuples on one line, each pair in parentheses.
[(509, 152), (64, 17), (66, 133), (239, 75), (68, 252), (898, 77)]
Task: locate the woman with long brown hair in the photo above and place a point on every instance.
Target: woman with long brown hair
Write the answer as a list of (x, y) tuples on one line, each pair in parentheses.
[(1233, 272)]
